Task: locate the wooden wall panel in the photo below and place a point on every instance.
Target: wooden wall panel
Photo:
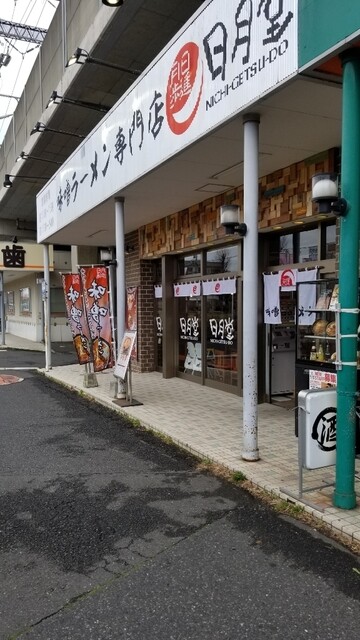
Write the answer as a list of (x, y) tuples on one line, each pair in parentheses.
[(284, 197)]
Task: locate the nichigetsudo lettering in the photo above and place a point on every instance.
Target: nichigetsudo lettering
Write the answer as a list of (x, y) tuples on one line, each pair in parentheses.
[(247, 73)]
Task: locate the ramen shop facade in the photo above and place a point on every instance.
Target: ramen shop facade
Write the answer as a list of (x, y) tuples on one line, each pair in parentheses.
[(151, 178), (196, 275)]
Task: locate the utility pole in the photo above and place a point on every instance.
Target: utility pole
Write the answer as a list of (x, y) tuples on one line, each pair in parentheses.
[(344, 495)]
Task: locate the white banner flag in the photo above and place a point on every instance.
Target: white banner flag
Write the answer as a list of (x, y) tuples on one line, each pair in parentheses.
[(219, 287), (187, 289)]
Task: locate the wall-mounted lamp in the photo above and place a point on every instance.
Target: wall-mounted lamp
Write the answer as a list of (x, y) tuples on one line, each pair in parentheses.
[(230, 219), (56, 99), (4, 59), (40, 127), (80, 56), (325, 193), (113, 3), (129, 248), (106, 255), (8, 183), (27, 156)]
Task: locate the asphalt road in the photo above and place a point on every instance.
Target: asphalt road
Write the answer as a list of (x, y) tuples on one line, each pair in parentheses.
[(62, 354), (107, 533)]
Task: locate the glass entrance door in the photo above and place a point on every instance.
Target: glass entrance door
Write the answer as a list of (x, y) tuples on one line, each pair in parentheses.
[(221, 339), (189, 336)]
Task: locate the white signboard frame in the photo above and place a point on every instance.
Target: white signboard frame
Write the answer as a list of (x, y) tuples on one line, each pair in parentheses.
[(227, 57), (125, 351), (317, 427)]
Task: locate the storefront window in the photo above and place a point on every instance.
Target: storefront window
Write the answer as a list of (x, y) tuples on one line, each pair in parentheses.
[(281, 249), (189, 265), (308, 245), (330, 241), (221, 338), (25, 301), (190, 335), (222, 260), (299, 246)]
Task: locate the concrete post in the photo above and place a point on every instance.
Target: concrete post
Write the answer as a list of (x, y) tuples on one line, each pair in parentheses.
[(250, 288), (344, 495), (46, 301), (120, 278), (2, 308)]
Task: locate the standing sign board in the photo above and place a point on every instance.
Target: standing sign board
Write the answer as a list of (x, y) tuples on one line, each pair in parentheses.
[(125, 350), (317, 427)]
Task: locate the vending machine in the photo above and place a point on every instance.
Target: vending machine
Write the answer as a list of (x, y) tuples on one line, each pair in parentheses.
[(282, 360)]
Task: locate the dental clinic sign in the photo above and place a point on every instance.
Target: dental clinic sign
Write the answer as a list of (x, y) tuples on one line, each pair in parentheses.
[(229, 55)]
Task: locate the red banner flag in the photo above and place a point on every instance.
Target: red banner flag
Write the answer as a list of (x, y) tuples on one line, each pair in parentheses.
[(95, 284), (76, 316)]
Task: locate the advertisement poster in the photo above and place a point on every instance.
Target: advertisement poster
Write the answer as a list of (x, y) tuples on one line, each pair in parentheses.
[(76, 316), (95, 288), (126, 347), (131, 314), (321, 379)]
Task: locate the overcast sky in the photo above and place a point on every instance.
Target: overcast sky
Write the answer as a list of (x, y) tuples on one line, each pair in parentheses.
[(35, 13)]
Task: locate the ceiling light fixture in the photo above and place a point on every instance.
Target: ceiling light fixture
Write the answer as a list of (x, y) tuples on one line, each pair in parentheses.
[(8, 183), (113, 3), (80, 56), (26, 156), (40, 127), (56, 99)]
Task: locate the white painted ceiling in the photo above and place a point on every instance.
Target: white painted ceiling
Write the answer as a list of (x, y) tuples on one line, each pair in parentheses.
[(301, 119), (298, 121)]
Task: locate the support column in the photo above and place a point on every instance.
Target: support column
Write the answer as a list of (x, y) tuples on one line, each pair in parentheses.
[(250, 288), (2, 308), (120, 278), (74, 258), (46, 301), (168, 315), (344, 495)]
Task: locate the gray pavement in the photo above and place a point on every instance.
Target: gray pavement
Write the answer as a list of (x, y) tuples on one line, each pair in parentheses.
[(208, 423), (109, 533)]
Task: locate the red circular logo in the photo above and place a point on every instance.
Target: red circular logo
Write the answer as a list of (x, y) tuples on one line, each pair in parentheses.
[(194, 290), (287, 278), (184, 88), (177, 290), (217, 287)]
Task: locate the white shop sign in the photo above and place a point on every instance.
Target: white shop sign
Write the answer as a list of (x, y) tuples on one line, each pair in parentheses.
[(317, 427), (231, 54)]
